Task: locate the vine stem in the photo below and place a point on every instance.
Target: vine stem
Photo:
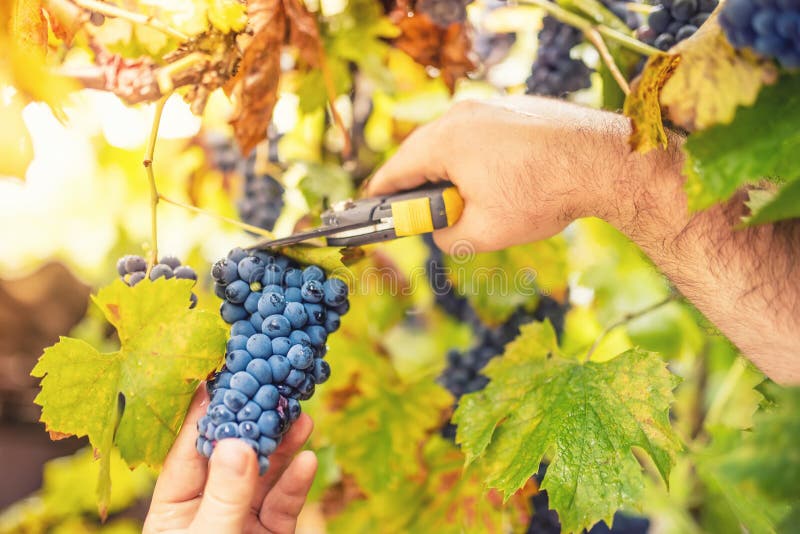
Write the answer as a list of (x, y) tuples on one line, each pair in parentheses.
[(596, 39), (151, 178), (628, 317), (201, 211), (568, 17), (136, 18)]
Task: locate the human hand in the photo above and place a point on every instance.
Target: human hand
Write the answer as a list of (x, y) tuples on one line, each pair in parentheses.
[(225, 494), (525, 166)]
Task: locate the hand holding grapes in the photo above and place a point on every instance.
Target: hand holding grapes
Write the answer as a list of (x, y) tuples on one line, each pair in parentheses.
[(225, 494)]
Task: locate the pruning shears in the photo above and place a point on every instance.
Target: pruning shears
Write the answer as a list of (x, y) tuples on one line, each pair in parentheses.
[(372, 220)]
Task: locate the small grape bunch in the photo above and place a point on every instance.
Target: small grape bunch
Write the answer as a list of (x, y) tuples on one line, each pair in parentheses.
[(280, 317), (769, 27), (675, 20), (132, 269)]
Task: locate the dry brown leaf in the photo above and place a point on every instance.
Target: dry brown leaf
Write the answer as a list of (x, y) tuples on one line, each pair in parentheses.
[(256, 92), (642, 105), (303, 31), (712, 80), (446, 49)]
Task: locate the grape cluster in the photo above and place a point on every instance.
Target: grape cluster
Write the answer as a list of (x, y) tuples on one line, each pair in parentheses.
[(262, 199), (132, 269), (444, 12), (280, 317), (463, 372), (444, 292), (555, 73), (675, 20), (770, 27), (620, 9), (222, 154)]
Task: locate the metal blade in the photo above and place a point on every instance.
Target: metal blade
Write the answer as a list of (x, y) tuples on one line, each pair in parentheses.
[(322, 231)]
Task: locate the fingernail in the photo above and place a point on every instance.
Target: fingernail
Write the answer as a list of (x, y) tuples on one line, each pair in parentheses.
[(231, 457)]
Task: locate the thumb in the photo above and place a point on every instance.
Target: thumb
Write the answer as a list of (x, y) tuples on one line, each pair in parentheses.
[(232, 477)]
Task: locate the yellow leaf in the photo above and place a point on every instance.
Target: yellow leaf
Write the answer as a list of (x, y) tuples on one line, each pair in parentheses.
[(642, 104), (16, 149), (27, 27), (227, 15), (712, 79)]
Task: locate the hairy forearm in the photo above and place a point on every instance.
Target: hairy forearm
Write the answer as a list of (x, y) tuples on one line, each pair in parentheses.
[(744, 280)]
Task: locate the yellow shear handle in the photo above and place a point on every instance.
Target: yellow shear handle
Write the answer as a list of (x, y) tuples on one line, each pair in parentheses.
[(425, 214)]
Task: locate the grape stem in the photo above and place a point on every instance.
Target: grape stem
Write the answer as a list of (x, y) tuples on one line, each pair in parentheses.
[(628, 317), (596, 39), (135, 18), (240, 224), (568, 17), (151, 179)]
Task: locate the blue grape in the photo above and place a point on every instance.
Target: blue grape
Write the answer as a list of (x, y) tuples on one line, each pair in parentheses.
[(244, 382), (335, 292), (293, 409), (298, 337), (317, 334), (280, 368), (226, 430), (224, 271), (300, 357), (161, 271), (257, 320), (271, 303), (237, 291), (236, 343), (273, 288), (242, 328), (223, 379), (217, 398), (207, 448), (269, 424), (276, 326), (249, 412), (251, 304), (296, 313), (234, 400), (219, 290), (121, 270), (232, 312), (249, 429), (221, 414), (312, 291), (251, 269), (267, 397), (342, 309), (134, 264), (260, 370), (286, 390), (322, 371), (202, 424), (306, 387), (237, 360), (293, 277), (135, 278), (273, 274), (263, 465), (316, 313), (283, 262), (295, 378), (172, 261), (312, 272), (281, 345), (259, 346), (211, 430), (184, 272), (332, 322), (237, 254), (292, 294), (266, 446)]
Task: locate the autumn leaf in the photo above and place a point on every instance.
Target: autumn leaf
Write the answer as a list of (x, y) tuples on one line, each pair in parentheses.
[(712, 79), (446, 49), (303, 31), (137, 396), (642, 105), (256, 90)]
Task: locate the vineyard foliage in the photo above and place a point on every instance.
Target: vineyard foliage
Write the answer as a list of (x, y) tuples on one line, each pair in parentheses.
[(636, 404)]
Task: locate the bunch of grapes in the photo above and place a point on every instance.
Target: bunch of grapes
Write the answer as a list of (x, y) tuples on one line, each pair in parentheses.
[(770, 27), (261, 201), (133, 269), (444, 292), (620, 9), (463, 372), (280, 317), (555, 73), (222, 154), (444, 12), (675, 20)]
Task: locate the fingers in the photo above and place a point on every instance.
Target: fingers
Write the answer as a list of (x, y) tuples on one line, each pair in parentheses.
[(279, 460), (232, 476), (284, 502), (184, 471), (416, 161)]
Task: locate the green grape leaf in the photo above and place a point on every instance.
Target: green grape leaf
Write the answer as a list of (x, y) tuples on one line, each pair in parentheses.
[(725, 157), (586, 417), (377, 436), (388, 512), (770, 206), (227, 15), (497, 283), (137, 396)]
